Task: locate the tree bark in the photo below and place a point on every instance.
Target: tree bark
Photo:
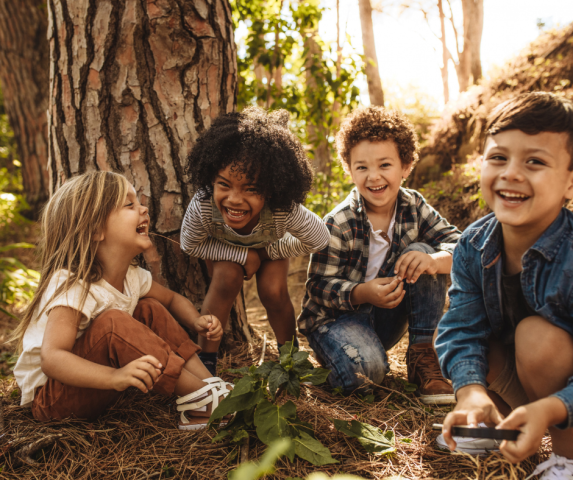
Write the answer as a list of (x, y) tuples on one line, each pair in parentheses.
[(24, 71), (371, 60), (445, 56), (132, 85)]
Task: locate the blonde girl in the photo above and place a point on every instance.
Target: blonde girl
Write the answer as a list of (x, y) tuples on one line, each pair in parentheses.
[(99, 324)]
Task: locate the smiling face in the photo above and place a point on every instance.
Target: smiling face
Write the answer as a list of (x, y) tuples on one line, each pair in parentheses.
[(127, 228), (377, 171), (525, 178), (237, 199)]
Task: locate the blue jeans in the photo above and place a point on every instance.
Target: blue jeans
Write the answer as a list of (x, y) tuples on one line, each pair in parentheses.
[(356, 342)]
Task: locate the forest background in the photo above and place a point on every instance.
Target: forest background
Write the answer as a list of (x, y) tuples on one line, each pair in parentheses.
[(318, 60)]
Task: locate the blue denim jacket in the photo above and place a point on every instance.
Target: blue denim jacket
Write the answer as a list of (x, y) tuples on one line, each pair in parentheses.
[(475, 296)]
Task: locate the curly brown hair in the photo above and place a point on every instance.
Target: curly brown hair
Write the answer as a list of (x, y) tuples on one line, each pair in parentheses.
[(377, 124)]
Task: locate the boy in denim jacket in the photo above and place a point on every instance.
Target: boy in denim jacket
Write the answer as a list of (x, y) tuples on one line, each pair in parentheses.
[(382, 272), (506, 342)]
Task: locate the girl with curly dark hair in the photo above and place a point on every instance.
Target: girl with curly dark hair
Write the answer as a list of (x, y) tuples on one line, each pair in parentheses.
[(251, 176)]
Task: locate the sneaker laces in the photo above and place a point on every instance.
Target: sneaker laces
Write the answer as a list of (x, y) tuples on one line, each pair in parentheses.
[(554, 468), (424, 361)]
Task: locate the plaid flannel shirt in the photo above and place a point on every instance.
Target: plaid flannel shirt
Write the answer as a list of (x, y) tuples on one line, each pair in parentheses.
[(341, 265)]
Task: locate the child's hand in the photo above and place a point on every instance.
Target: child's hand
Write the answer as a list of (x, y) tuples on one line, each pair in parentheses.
[(413, 264), (141, 373), (209, 326), (253, 263), (533, 420), (385, 292), (474, 406)]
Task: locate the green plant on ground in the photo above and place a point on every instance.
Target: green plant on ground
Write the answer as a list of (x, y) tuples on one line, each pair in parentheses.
[(17, 282), (255, 401), (255, 470), (370, 437)]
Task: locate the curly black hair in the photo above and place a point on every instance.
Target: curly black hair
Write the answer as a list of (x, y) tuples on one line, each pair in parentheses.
[(257, 144), (377, 124)]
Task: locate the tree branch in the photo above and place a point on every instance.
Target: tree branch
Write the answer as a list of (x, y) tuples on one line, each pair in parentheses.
[(451, 18), (23, 456)]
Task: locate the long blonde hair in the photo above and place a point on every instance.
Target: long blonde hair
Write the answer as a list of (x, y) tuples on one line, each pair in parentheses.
[(71, 220)]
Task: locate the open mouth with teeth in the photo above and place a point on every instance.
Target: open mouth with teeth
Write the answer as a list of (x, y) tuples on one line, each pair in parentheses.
[(513, 197), (142, 229), (378, 189), (235, 214)]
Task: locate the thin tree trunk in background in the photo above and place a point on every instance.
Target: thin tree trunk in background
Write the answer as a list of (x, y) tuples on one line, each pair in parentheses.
[(336, 106), (371, 60), (477, 31), (445, 56), (132, 85), (469, 67), (24, 72), (316, 133)]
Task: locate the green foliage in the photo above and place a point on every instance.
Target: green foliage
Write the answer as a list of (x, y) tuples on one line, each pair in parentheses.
[(17, 282), (371, 438), (254, 399), (278, 448)]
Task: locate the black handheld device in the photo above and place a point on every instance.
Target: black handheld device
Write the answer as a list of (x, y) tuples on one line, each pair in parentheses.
[(481, 432)]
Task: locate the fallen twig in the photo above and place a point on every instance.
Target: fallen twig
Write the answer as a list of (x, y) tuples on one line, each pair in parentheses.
[(23, 456)]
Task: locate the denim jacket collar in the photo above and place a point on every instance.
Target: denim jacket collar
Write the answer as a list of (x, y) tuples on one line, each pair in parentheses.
[(488, 240)]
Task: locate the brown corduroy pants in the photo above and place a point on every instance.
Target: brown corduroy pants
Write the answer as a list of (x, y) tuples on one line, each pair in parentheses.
[(115, 339)]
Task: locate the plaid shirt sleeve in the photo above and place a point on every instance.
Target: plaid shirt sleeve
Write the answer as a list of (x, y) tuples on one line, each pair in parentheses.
[(328, 283), (434, 229)]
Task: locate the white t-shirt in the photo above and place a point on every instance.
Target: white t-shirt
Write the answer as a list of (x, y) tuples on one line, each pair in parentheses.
[(101, 297), (378, 248)]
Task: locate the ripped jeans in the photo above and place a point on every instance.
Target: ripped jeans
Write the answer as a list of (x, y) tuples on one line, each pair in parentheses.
[(356, 342)]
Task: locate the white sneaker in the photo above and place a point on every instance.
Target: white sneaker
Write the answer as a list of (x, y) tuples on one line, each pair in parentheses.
[(473, 446), (556, 468)]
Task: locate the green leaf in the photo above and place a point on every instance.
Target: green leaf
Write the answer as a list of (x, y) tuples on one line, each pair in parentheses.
[(406, 440), (253, 471), (265, 369), (272, 421), (236, 403), (370, 437), (311, 450), (293, 384), (318, 376), (12, 246), (277, 378), (220, 436), (244, 385), (239, 435), (286, 353)]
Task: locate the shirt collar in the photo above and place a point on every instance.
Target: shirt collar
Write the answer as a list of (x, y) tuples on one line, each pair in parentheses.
[(488, 239)]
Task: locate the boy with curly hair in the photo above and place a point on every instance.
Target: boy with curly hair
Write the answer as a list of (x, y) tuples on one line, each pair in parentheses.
[(506, 341), (251, 176), (383, 271)]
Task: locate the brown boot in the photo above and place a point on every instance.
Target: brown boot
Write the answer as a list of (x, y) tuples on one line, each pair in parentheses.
[(424, 371)]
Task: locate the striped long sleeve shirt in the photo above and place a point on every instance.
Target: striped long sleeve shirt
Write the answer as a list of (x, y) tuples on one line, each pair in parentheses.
[(300, 232)]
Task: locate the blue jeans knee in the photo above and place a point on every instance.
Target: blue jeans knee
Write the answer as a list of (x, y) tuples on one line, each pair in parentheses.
[(349, 347)]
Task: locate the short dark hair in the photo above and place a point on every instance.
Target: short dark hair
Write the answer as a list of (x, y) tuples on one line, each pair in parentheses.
[(258, 144), (534, 113), (376, 124)]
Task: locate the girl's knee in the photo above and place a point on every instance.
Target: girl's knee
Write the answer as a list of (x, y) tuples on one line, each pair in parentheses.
[(227, 277)]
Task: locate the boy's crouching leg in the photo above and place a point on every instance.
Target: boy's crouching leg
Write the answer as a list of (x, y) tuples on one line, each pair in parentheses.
[(544, 362), (351, 350)]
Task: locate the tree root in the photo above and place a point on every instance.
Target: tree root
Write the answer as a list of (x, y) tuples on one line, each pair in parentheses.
[(23, 456)]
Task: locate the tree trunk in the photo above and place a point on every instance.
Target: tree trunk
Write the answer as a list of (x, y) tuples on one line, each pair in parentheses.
[(469, 68), (371, 60), (24, 64), (445, 55), (132, 85), (316, 133)]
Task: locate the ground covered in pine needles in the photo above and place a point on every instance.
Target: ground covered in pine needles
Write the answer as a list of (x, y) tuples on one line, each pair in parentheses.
[(138, 438)]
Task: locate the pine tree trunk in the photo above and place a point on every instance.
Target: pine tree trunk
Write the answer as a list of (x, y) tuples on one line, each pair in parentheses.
[(132, 85), (469, 68), (24, 71), (371, 60), (445, 57)]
